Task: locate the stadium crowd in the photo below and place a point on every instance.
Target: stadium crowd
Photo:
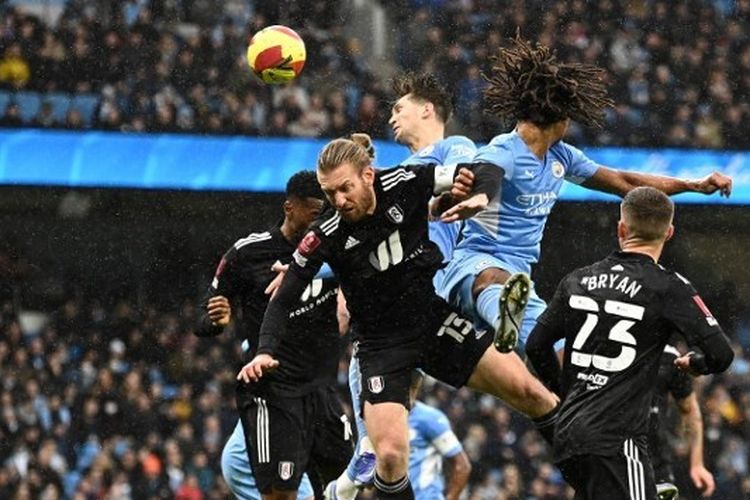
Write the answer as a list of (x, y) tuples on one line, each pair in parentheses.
[(679, 73), (112, 400), (680, 76)]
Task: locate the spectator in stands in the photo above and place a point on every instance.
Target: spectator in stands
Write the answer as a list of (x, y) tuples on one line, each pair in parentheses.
[(50, 60), (45, 118), (313, 122), (73, 120), (12, 116), (658, 59), (14, 68)]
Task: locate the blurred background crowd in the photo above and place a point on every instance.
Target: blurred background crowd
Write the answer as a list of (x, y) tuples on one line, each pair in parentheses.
[(113, 397), (106, 392), (680, 74), (123, 402)]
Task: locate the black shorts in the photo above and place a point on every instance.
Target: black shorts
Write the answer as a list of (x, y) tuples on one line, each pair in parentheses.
[(625, 476), (288, 436), (447, 348)]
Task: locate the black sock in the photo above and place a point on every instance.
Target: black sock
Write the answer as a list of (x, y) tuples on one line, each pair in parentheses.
[(546, 425), (399, 489)]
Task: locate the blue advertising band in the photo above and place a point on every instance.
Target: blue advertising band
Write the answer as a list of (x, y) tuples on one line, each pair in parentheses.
[(164, 161)]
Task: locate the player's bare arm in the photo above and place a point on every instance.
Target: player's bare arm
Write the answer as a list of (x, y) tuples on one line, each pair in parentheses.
[(342, 313), (458, 471), (621, 182), (692, 419)]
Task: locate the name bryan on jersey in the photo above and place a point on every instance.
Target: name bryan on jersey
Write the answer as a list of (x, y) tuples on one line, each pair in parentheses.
[(616, 282)]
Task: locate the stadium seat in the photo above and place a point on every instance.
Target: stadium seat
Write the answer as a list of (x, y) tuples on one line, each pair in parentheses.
[(28, 105), (60, 102), (5, 99), (86, 104)]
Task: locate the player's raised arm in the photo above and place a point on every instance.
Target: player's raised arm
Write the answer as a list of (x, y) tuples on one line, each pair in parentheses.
[(621, 182)]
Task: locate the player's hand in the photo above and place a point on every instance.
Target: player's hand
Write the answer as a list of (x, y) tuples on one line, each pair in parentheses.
[(275, 283), (683, 364), (703, 480), (462, 184), (716, 181), (440, 204), (255, 369), (219, 310), (466, 208)]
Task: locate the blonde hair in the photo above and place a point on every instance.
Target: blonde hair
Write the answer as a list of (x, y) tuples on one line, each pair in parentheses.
[(357, 150)]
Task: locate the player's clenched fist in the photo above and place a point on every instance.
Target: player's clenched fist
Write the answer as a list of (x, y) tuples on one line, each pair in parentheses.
[(462, 184), (219, 310), (255, 369), (716, 181)]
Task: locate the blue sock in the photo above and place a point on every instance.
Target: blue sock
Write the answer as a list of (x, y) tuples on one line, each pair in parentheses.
[(487, 305)]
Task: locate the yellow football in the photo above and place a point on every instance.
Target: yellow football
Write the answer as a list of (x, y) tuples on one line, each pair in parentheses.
[(276, 54)]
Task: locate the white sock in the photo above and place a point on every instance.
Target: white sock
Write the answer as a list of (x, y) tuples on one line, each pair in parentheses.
[(345, 488)]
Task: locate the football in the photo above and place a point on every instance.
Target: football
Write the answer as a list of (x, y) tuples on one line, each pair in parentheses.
[(276, 54)]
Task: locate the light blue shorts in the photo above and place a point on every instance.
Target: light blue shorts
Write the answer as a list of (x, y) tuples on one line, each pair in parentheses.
[(456, 282)]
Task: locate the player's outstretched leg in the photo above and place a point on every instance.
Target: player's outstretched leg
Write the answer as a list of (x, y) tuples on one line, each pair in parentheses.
[(513, 300), (506, 377)]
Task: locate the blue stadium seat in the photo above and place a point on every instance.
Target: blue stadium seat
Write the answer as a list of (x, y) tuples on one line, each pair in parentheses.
[(86, 104), (60, 102), (28, 105), (5, 99)]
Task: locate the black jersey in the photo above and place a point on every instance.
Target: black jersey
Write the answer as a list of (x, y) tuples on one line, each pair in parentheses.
[(385, 262), (616, 317), (669, 381), (307, 354)]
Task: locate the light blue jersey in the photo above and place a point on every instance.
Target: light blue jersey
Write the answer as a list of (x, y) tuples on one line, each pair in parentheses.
[(511, 227), (449, 151), (430, 441), (508, 234)]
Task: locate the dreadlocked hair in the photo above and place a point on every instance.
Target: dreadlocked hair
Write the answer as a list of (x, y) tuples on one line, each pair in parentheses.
[(529, 83)]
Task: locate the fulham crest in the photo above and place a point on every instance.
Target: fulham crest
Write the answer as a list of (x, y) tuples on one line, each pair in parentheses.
[(286, 470), (395, 214), (375, 384)]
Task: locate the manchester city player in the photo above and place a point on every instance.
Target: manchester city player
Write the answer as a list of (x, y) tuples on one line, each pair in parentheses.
[(530, 86)]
